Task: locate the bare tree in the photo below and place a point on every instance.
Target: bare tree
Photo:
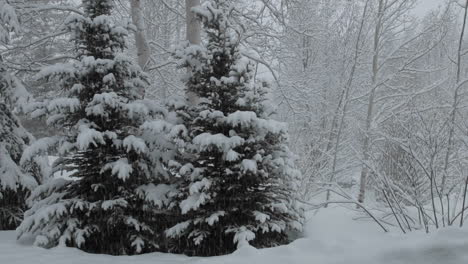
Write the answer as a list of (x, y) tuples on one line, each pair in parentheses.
[(389, 15)]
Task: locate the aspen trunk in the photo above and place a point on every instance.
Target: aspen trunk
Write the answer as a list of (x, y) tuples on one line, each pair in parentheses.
[(193, 36), (371, 103), (193, 24), (346, 91), (143, 48), (455, 98)]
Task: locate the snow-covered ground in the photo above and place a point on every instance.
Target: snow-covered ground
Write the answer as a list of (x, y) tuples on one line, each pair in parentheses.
[(332, 237)]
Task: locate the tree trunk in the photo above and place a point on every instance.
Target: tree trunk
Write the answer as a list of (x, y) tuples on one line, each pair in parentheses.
[(370, 106), (345, 99), (456, 99), (193, 24), (143, 48), (193, 37)]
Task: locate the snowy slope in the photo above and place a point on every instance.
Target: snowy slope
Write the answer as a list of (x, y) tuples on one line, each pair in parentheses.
[(332, 237)]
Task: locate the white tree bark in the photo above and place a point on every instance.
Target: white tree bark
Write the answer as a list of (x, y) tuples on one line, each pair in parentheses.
[(371, 102), (143, 48), (193, 37), (346, 94), (456, 99), (193, 24)]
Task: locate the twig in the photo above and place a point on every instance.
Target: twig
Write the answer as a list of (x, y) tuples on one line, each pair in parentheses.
[(347, 202)]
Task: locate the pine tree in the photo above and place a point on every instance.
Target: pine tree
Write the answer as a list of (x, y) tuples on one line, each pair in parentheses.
[(17, 178), (16, 182), (106, 208), (237, 172)]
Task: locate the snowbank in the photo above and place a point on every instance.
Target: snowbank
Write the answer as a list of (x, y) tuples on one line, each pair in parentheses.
[(332, 237)]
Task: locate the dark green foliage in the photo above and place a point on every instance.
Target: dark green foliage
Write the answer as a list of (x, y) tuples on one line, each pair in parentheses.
[(13, 193), (237, 172), (104, 210)]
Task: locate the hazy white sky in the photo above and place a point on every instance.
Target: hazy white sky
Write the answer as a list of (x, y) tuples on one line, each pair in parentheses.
[(424, 6)]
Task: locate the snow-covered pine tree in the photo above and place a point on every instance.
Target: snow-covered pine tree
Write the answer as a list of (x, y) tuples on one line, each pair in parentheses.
[(17, 179), (237, 172), (105, 209)]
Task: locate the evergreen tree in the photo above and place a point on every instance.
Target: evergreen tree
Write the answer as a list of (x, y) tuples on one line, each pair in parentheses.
[(105, 209), (237, 172), (17, 178), (16, 181)]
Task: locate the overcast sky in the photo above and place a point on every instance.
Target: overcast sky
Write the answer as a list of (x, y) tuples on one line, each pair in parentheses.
[(424, 6)]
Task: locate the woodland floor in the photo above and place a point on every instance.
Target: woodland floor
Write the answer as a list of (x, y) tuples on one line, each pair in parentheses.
[(332, 236)]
